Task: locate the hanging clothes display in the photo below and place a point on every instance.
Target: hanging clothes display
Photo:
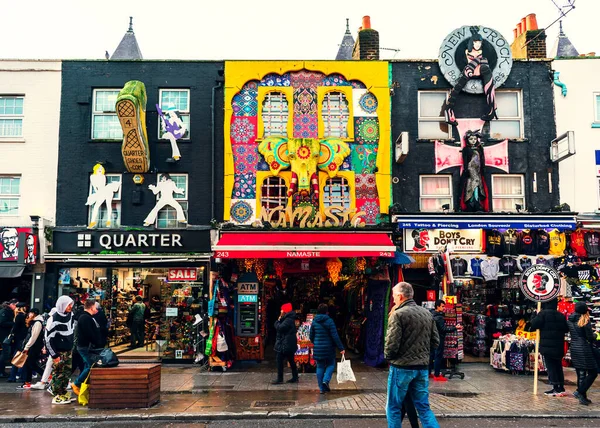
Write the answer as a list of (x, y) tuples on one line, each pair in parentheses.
[(578, 243), (558, 243), (592, 244), (493, 243), (524, 263), (375, 313), (459, 266), (527, 242), (510, 242), (490, 268), (476, 266)]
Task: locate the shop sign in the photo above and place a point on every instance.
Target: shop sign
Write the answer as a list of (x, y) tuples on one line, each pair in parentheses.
[(18, 244), (564, 222), (305, 265), (183, 275), (248, 288), (172, 312), (334, 216), (540, 283), (451, 300), (432, 240), (134, 241), (247, 298), (179, 354)]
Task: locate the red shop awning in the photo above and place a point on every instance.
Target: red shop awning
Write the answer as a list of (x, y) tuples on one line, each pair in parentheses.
[(303, 245)]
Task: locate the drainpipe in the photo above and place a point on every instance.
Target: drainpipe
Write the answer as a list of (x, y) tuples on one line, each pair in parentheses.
[(557, 82), (212, 152)]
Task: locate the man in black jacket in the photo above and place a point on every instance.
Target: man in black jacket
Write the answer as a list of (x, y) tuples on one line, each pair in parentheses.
[(438, 355), (88, 339), (553, 327), (7, 321), (286, 343)]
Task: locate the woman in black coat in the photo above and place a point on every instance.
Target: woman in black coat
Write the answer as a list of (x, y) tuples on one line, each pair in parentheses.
[(286, 343), (553, 327), (582, 355), (20, 332)]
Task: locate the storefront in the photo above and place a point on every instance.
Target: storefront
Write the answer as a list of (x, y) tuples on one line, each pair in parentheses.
[(169, 269), (18, 258)]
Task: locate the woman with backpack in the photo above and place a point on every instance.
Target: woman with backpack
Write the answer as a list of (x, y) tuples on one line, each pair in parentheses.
[(582, 354), (32, 346)]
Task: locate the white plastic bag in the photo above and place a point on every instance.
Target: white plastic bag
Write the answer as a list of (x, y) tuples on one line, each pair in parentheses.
[(222, 343), (344, 371)]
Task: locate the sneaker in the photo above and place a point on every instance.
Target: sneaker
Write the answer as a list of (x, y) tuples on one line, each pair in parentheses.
[(440, 378), (582, 400), (26, 385), (550, 393), (39, 385), (292, 380), (69, 387), (49, 389), (62, 399), (277, 382), (326, 387), (75, 389), (131, 111)]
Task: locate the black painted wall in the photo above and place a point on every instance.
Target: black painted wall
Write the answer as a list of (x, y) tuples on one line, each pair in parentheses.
[(525, 157), (78, 153)]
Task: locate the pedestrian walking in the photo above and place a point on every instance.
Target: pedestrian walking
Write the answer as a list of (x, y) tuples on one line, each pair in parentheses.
[(136, 314), (324, 336), (88, 340), (32, 346), (19, 332), (286, 343), (582, 354), (553, 327), (411, 337), (59, 343), (437, 356), (43, 382), (102, 321), (7, 321)]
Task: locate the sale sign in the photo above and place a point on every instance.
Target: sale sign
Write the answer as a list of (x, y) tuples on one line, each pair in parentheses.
[(183, 275)]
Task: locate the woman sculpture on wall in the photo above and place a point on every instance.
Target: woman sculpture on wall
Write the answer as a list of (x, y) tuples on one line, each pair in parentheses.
[(474, 195), (477, 68)]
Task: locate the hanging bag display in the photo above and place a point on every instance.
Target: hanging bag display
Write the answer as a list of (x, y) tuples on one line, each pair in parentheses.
[(222, 343), (344, 371)]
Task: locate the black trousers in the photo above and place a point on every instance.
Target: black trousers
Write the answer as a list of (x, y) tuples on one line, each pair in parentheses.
[(137, 334), (281, 357), (408, 408), (556, 377), (585, 379), (31, 365)]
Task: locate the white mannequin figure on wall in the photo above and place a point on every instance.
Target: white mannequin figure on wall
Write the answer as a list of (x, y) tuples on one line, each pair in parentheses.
[(166, 187), (101, 193), (172, 127)]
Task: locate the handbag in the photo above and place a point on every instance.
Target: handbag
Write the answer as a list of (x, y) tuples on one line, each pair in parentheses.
[(106, 358), (8, 341), (19, 359), (344, 371), (222, 343), (84, 390)]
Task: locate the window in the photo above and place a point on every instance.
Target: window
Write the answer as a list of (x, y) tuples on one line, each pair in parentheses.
[(167, 216), (432, 123), (10, 192), (336, 193), (105, 123), (11, 116), (597, 108), (335, 114), (436, 191), (178, 99), (273, 193), (510, 116), (115, 206), (275, 113), (508, 191)]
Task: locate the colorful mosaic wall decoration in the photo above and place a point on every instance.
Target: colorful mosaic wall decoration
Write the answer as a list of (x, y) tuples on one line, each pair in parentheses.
[(371, 209), (245, 102), (243, 129), (245, 186), (243, 211), (364, 158), (366, 130), (245, 158), (366, 187)]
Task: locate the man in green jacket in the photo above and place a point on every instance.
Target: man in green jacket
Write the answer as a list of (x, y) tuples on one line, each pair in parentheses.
[(137, 323)]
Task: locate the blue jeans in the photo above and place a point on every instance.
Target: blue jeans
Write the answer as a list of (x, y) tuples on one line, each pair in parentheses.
[(87, 365), (400, 381), (325, 371)]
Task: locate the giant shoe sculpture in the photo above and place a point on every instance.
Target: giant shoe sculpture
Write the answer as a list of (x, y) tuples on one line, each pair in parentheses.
[(131, 110)]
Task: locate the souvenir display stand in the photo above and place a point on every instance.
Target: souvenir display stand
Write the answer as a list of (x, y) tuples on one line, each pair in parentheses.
[(453, 345), (304, 355)]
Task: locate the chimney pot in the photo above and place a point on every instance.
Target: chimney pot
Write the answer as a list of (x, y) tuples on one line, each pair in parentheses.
[(366, 22), (523, 25), (515, 32), (531, 22), (519, 28)]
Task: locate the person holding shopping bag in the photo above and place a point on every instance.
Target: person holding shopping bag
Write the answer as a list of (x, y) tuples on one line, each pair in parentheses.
[(582, 354), (32, 346), (324, 336), (286, 343)]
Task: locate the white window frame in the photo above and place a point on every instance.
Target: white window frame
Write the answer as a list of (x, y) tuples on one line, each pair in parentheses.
[(431, 119), (270, 202), (266, 115), (423, 196), (338, 118), (496, 196), (519, 118), (96, 113), (169, 211), (344, 199), (116, 205), (182, 113), (13, 116), (596, 110), (16, 196)]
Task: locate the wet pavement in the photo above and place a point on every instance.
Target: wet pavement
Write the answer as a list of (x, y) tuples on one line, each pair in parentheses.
[(191, 394)]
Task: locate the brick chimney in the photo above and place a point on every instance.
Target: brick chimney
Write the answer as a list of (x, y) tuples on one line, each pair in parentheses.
[(530, 42), (367, 42)]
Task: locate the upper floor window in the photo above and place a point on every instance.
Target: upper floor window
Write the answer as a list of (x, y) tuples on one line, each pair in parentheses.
[(168, 217), (432, 124), (11, 116), (336, 193), (179, 100), (275, 114), (436, 192), (510, 116), (105, 123), (335, 114), (104, 220), (597, 107), (508, 191), (10, 193), (273, 193)]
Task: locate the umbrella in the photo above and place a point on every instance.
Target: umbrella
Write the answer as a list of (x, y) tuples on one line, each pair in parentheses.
[(401, 258)]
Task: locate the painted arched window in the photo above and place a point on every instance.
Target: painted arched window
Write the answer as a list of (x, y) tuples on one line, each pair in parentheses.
[(336, 192), (335, 115), (275, 113), (273, 193)]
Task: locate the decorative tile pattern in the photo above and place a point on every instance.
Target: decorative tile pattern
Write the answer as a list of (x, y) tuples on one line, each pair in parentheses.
[(366, 186), (370, 208), (262, 164), (245, 158), (347, 164), (364, 158), (243, 211), (305, 101), (366, 130), (244, 186), (245, 102), (243, 130), (368, 103), (305, 126), (275, 79), (306, 79), (364, 103), (335, 80), (357, 84)]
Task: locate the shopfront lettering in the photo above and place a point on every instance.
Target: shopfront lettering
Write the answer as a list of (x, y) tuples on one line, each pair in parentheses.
[(432, 240), (303, 254), (301, 216), (162, 240), (183, 274)]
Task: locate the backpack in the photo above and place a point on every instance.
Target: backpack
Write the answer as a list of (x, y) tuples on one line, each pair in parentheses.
[(106, 358)]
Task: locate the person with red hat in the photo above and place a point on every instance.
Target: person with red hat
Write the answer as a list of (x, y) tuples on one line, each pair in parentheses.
[(286, 343)]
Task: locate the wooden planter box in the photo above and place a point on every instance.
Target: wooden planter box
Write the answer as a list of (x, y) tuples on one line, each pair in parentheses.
[(125, 386)]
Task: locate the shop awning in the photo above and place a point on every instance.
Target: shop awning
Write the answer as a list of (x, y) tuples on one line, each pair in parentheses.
[(11, 271), (589, 220), (303, 245), (485, 221)]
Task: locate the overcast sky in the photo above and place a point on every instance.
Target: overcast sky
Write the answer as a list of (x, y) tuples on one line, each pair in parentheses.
[(255, 29)]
